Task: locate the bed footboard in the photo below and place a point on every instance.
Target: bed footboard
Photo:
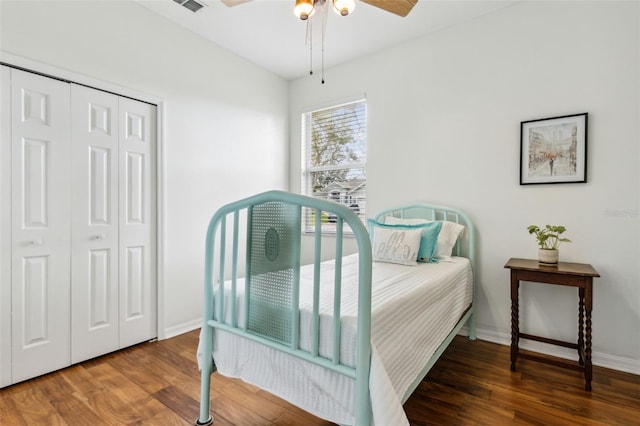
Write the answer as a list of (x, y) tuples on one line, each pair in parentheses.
[(265, 248)]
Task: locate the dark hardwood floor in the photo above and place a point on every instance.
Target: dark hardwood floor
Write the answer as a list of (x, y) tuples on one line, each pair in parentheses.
[(157, 383)]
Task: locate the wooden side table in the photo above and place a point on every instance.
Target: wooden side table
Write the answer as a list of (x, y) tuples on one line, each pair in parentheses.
[(578, 275)]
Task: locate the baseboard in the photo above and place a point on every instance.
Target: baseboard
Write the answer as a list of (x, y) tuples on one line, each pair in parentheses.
[(628, 365), (179, 329)]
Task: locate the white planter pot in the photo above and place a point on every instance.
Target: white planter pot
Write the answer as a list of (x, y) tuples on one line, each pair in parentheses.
[(548, 256)]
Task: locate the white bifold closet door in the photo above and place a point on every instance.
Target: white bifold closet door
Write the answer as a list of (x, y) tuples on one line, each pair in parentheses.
[(113, 219), (40, 237), (77, 225), (137, 217), (5, 226), (94, 219)]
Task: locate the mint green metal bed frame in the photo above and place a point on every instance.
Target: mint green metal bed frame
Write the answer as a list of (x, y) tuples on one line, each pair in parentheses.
[(273, 258)]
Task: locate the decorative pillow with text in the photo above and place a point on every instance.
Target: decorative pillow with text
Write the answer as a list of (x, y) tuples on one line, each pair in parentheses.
[(447, 235), (395, 243)]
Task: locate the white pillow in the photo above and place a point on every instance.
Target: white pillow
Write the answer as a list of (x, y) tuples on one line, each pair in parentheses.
[(449, 234), (395, 244), (447, 238)]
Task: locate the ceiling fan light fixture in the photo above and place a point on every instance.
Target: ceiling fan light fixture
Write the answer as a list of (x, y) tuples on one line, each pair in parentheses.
[(344, 7), (303, 9)]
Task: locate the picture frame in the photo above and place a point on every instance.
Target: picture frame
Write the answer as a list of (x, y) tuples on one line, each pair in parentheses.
[(554, 150)]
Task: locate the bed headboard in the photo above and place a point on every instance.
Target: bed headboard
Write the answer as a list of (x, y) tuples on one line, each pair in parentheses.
[(465, 245)]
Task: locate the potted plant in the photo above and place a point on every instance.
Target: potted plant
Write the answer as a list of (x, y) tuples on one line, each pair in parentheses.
[(548, 241)]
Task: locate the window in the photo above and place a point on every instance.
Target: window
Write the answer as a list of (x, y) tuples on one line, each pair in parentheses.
[(334, 150)]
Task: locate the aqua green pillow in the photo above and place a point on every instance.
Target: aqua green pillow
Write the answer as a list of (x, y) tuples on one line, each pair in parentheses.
[(429, 241)]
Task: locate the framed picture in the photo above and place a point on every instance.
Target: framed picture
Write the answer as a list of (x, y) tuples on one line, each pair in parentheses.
[(554, 150)]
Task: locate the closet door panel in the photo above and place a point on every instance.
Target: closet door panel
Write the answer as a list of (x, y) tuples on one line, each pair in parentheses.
[(94, 234), (5, 226), (137, 222), (40, 225)]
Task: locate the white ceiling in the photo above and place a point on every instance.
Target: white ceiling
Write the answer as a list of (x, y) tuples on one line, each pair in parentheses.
[(268, 34)]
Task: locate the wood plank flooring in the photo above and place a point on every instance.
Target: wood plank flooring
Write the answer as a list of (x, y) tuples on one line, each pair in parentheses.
[(157, 383)]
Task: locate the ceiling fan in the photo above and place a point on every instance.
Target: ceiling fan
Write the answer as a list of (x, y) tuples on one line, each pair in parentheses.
[(304, 8)]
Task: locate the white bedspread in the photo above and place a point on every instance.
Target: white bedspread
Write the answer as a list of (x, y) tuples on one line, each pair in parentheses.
[(413, 309)]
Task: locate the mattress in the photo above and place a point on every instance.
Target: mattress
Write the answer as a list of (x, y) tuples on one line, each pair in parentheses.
[(413, 310)]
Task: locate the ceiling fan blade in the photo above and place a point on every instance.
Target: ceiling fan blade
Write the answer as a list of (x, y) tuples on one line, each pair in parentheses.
[(397, 7), (231, 3)]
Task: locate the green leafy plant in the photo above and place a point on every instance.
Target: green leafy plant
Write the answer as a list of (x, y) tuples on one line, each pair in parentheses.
[(548, 237)]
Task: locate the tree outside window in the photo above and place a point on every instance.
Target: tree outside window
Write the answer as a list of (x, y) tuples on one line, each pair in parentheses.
[(335, 153)]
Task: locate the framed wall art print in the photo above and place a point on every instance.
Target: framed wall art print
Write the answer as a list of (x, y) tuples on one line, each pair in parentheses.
[(554, 150)]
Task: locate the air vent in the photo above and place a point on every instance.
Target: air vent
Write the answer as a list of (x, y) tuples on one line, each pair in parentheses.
[(192, 5)]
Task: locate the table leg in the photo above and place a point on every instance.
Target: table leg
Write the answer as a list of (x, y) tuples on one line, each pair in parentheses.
[(581, 326), (588, 296), (515, 326)]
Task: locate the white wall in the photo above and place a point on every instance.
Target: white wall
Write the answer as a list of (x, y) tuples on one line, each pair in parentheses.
[(225, 119), (444, 126)]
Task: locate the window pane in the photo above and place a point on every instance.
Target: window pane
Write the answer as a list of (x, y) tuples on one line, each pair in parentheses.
[(334, 158), (346, 186), (338, 136)]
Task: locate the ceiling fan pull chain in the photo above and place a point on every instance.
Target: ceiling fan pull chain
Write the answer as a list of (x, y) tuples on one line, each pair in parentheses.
[(310, 39), (324, 27)]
